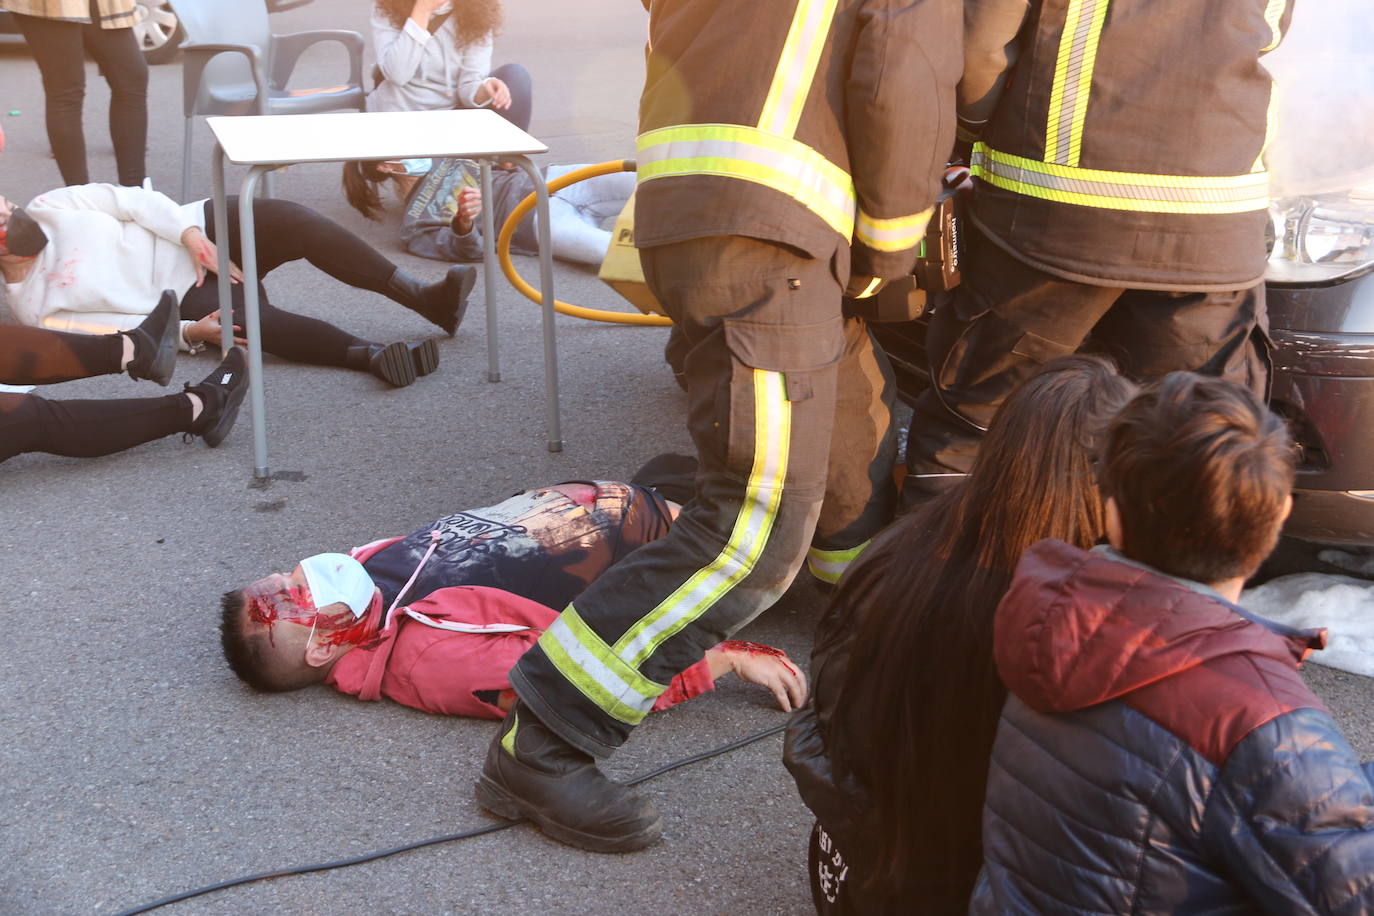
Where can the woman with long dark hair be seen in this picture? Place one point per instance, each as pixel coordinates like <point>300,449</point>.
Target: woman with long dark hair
<point>892,755</point>
<point>435,54</point>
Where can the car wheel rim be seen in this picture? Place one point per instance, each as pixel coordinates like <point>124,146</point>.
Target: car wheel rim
<point>155,26</point>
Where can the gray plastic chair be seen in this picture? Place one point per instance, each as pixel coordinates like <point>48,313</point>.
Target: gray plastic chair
<point>234,65</point>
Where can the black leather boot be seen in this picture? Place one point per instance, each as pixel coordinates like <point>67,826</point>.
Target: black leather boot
<point>155,342</point>
<point>425,355</point>
<point>442,303</point>
<point>221,392</point>
<point>532,773</point>
<point>392,363</point>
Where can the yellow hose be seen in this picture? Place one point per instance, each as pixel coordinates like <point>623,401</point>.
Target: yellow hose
<point>567,308</point>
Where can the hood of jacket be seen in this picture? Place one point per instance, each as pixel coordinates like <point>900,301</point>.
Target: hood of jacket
<point>1078,628</point>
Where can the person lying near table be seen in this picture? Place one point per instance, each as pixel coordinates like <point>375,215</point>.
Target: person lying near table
<point>443,199</point>
<point>436,620</point>
<point>94,258</point>
<point>87,428</point>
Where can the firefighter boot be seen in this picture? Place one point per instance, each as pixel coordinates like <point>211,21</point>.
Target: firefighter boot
<point>534,774</point>
<point>442,303</point>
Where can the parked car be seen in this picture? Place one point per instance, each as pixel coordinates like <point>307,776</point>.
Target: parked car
<point>157,29</point>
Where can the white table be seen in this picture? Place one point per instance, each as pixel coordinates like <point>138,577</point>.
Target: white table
<point>269,142</point>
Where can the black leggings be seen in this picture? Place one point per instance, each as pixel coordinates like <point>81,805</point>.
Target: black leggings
<point>87,428</point>
<point>81,429</point>
<point>521,86</point>
<point>38,356</point>
<point>59,50</point>
<point>286,231</point>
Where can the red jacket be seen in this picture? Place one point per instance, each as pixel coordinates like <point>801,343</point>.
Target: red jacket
<point>458,671</point>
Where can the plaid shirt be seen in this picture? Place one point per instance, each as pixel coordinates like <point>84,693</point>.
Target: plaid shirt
<point>114,14</point>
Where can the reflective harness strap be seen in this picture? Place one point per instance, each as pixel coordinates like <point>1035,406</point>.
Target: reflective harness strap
<point>1138,192</point>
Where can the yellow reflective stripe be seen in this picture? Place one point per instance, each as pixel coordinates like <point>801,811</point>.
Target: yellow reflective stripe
<point>1273,17</point>
<point>1073,76</point>
<point>750,154</point>
<point>830,565</point>
<point>586,662</point>
<point>1121,190</point>
<point>871,288</point>
<point>897,234</point>
<point>753,525</point>
<point>508,739</point>
<point>796,70</point>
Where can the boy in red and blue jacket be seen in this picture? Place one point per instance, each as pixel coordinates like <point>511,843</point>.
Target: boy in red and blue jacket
<point>1159,752</point>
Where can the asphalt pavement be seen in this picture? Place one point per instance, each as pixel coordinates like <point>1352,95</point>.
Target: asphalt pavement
<point>136,766</point>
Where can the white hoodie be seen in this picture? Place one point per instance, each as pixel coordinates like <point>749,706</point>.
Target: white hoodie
<point>111,252</point>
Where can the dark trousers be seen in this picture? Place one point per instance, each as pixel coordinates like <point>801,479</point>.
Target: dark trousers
<point>38,356</point>
<point>1008,318</point>
<point>286,231</point>
<point>521,86</point>
<point>789,408</point>
<point>59,48</point>
<point>78,428</point>
<point>87,428</point>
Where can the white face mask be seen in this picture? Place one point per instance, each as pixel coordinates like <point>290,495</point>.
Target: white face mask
<point>338,578</point>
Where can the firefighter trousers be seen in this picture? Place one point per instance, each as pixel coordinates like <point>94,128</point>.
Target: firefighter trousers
<point>1007,319</point>
<point>789,406</point>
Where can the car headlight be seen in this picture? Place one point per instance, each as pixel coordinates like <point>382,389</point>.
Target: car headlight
<point>1321,238</point>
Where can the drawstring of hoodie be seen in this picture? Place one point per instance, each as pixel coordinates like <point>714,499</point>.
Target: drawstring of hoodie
<point>434,538</point>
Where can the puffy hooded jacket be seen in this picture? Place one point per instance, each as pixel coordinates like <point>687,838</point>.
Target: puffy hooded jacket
<point>1159,753</point>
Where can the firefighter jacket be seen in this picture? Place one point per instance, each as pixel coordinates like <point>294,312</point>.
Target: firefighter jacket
<point>1120,142</point>
<point>798,121</point>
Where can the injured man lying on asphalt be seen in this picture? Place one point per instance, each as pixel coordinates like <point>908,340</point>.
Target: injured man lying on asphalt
<point>436,620</point>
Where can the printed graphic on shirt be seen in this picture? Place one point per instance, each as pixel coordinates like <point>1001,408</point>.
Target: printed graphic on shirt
<point>546,545</point>
<point>436,199</point>
<point>831,870</point>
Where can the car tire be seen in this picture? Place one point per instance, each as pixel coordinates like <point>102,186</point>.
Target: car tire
<point>158,31</point>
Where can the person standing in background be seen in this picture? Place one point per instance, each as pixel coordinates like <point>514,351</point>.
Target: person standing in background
<point>59,32</point>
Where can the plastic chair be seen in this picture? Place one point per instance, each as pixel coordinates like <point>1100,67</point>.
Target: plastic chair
<point>234,65</point>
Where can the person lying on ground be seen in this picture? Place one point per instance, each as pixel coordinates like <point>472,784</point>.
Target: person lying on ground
<point>892,753</point>
<point>94,258</point>
<point>88,428</point>
<point>435,620</point>
<point>1159,751</point>
<point>443,200</point>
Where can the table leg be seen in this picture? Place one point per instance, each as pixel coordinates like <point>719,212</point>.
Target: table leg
<point>489,273</point>
<point>251,320</point>
<point>551,404</point>
<point>226,335</point>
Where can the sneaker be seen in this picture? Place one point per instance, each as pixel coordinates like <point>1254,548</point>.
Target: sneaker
<point>155,342</point>
<point>221,392</point>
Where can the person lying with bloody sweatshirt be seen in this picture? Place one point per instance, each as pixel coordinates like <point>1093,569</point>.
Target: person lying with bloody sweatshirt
<point>436,620</point>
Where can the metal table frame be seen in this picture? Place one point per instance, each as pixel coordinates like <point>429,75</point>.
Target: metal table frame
<point>441,148</point>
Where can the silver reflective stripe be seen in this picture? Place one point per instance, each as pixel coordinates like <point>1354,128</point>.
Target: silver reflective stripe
<point>594,668</point>
<point>796,68</point>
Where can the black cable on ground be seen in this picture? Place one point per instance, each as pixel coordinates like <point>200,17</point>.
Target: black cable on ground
<point>466,834</point>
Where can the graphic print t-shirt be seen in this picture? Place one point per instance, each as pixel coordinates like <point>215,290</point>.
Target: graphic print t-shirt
<point>546,545</point>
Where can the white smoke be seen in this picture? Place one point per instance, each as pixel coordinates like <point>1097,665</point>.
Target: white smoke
<point>1324,72</point>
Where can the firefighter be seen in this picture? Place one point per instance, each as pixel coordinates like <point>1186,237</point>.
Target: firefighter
<point>788,148</point>
<point>1119,196</point>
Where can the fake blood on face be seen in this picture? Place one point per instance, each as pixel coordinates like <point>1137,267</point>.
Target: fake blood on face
<point>277,600</point>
